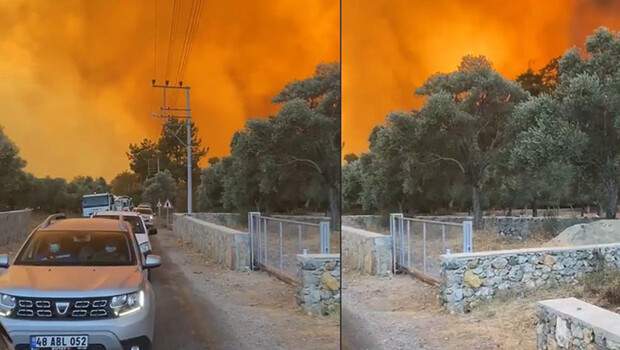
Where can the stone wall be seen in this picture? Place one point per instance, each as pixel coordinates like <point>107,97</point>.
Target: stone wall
<point>574,324</point>
<point>467,279</point>
<point>319,292</point>
<point>519,227</point>
<point>367,252</point>
<point>304,218</point>
<point>231,220</point>
<point>14,226</point>
<point>374,223</point>
<point>223,245</point>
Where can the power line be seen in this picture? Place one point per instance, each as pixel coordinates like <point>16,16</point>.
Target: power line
<point>171,36</point>
<point>155,39</point>
<point>192,12</point>
<point>191,39</point>
<point>192,27</point>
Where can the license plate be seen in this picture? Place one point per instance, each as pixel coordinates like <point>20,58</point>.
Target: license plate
<point>59,342</point>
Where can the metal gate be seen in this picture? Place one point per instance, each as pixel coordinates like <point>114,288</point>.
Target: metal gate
<point>275,243</point>
<point>417,244</point>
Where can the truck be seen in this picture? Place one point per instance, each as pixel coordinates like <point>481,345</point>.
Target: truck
<point>92,203</point>
<point>123,203</point>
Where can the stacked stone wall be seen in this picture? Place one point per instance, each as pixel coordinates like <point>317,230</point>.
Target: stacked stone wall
<point>468,279</point>
<point>319,292</point>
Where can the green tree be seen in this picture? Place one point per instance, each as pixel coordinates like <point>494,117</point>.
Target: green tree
<point>538,156</point>
<point>589,97</point>
<point>211,189</point>
<point>127,183</point>
<point>544,81</point>
<point>307,130</point>
<point>143,158</point>
<point>464,121</point>
<point>11,172</point>
<point>159,188</point>
<point>171,147</point>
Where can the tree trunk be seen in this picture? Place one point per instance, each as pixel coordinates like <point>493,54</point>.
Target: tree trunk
<point>477,211</point>
<point>611,189</point>
<point>334,207</point>
<point>534,208</point>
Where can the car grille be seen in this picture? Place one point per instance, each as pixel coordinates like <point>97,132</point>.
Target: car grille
<point>62,308</point>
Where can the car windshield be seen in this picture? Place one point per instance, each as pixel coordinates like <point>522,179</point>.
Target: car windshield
<point>95,201</point>
<point>134,221</point>
<point>144,211</point>
<point>75,248</point>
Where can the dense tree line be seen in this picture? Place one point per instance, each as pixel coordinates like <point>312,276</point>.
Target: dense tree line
<point>548,139</point>
<point>286,162</point>
<point>20,189</point>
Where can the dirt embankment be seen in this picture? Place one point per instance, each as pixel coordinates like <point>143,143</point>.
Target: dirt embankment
<point>598,232</point>
<point>403,313</point>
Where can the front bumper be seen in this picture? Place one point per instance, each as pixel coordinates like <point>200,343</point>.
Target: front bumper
<point>110,334</point>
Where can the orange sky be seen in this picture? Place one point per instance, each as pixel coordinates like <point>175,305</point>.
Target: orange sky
<point>391,46</point>
<point>75,75</point>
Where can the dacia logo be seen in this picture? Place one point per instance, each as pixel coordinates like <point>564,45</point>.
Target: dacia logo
<point>62,307</point>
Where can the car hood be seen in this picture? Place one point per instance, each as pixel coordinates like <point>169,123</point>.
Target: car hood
<point>70,281</point>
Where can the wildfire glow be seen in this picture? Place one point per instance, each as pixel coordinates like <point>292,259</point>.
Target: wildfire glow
<point>391,46</point>
<point>75,75</point>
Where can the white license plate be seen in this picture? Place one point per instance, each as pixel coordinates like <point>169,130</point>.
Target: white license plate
<point>59,342</point>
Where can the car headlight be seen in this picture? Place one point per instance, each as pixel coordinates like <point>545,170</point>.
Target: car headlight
<point>145,247</point>
<point>126,304</point>
<point>7,304</point>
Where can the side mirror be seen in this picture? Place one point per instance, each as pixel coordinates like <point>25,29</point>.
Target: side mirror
<point>152,261</point>
<point>4,261</point>
<point>152,231</point>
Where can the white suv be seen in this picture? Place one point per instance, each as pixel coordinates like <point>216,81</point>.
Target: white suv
<point>139,228</point>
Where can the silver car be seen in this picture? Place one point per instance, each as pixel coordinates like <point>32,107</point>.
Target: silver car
<point>78,284</point>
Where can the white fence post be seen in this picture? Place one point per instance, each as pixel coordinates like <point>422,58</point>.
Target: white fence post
<point>252,228</point>
<point>325,236</point>
<point>394,230</point>
<point>468,232</point>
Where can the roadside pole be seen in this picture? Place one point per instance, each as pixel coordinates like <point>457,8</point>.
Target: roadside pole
<point>180,113</point>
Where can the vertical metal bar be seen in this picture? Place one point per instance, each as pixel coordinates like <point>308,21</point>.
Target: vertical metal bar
<point>468,245</point>
<point>409,244</point>
<point>443,237</point>
<point>188,126</point>
<point>281,256</point>
<point>299,236</point>
<point>265,241</point>
<point>250,228</point>
<point>324,231</point>
<point>424,245</point>
<point>402,240</point>
<point>393,234</point>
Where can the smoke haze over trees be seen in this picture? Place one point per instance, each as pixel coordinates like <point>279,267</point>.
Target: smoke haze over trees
<point>481,141</point>
<point>287,162</point>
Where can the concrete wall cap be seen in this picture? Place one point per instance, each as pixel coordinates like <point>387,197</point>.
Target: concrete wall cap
<point>365,233</point>
<point>448,257</point>
<point>306,257</point>
<point>215,226</point>
<point>597,318</point>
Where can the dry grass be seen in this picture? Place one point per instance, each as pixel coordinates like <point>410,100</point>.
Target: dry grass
<point>485,240</point>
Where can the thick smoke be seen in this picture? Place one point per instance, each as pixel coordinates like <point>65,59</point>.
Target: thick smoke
<point>391,46</point>
<point>75,75</point>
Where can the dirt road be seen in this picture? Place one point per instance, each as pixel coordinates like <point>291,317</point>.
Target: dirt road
<point>201,306</point>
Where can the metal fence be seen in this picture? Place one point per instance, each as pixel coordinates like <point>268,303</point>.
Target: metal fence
<point>418,244</point>
<point>276,242</point>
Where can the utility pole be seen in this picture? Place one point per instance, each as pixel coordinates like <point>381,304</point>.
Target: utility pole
<point>179,113</point>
